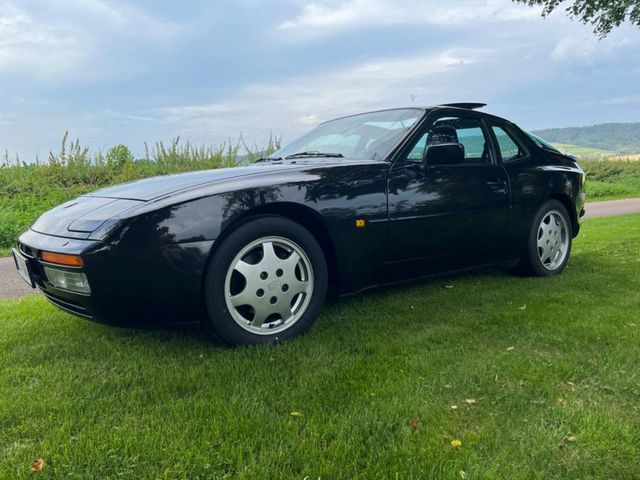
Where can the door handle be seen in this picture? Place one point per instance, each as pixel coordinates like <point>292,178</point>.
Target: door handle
<point>496,181</point>
<point>497,184</point>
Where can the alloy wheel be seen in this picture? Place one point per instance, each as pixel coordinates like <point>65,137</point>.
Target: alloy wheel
<point>552,240</point>
<point>268,285</point>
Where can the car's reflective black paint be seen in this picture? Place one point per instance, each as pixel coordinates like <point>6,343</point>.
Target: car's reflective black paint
<point>146,244</point>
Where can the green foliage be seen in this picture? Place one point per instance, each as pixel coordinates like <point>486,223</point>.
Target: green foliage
<point>73,156</point>
<point>621,138</point>
<point>552,365</point>
<point>604,15</point>
<point>611,179</point>
<point>118,157</point>
<point>29,189</point>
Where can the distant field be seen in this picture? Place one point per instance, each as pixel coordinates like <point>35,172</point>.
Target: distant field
<point>584,151</point>
<point>619,138</point>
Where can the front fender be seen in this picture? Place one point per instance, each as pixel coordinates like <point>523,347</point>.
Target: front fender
<point>336,196</point>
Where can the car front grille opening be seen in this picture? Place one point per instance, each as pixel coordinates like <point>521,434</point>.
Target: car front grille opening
<point>27,251</point>
<point>68,306</point>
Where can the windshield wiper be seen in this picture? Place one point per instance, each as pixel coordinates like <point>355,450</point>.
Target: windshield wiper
<point>314,153</point>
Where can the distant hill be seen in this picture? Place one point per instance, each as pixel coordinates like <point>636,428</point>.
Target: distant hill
<point>618,138</point>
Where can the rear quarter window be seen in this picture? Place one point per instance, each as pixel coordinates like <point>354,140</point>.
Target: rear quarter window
<point>510,148</point>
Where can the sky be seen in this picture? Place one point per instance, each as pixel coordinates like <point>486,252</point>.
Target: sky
<point>113,72</point>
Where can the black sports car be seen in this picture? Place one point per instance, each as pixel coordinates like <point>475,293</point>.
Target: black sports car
<point>250,253</point>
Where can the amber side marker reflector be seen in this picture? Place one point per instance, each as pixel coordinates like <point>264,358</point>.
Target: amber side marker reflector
<point>360,223</point>
<point>62,259</point>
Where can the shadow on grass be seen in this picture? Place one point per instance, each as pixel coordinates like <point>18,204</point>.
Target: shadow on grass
<point>337,317</point>
<point>371,316</point>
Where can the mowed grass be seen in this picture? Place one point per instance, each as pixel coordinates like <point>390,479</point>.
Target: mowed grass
<point>552,365</point>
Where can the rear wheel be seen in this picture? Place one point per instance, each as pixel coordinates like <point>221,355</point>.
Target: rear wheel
<point>266,282</point>
<point>549,242</point>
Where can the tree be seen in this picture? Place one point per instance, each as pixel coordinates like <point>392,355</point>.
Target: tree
<point>604,15</point>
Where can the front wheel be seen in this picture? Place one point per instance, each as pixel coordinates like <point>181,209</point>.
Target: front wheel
<point>266,282</point>
<point>549,242</point>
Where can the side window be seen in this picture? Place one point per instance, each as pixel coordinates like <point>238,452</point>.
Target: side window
<point>509,148</point>
<point>466,131</point>
<point>476,148</point>
<point>417,152</point>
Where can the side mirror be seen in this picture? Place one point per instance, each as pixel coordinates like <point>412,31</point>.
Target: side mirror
<point>444,154</point>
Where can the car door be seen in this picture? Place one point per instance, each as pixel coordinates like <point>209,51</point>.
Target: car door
<point>455,213</point>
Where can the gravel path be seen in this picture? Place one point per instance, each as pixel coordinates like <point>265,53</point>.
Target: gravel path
<point>12,284</point>
<point>613,208</point>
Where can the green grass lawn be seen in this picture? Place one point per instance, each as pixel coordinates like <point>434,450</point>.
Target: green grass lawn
<point>552,365</point>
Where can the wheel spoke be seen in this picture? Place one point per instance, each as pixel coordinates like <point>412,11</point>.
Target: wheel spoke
<point>243,298</point>
<point>284,308</point>
<point>541,240</point>
<point>297,287</point>
<point>269,254</point>
<point>292,260</point>
<point>544,240</point>
<point>261,312</point>
<point>246,269</point>
<point>543,254</point>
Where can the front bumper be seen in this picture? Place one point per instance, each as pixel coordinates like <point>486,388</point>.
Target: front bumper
<point>133,287</point>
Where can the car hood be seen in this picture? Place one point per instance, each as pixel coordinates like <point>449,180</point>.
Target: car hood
<point>155,187</point>
<point>81,217</point>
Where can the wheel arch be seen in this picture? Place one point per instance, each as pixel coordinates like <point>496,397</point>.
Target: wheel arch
<point>565,200</point>
<point>302,215</point>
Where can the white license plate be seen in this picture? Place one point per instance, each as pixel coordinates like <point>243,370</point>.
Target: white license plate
<point>23,267</point>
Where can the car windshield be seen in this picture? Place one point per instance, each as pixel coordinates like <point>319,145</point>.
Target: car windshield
<point>541,143</point>
<point>368,136</point>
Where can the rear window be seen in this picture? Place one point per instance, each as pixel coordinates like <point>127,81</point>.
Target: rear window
<point>541,143</point>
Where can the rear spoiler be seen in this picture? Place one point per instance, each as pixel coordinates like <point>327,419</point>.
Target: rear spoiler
<point>467,106</point>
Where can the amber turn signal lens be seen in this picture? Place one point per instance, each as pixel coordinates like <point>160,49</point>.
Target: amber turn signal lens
<point>62,259</point>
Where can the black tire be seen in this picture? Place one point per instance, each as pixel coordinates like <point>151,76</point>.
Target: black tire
<point>219,322</point>
<point>530,263</point>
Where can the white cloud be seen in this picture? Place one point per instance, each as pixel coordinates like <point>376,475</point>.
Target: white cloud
<point>70,39</point>
<point>580,49</point>
<point>28,43</point>
<point>621,101</point>
<point>586,50</point>
<point>295,104</point>
<point>327,15</point>
<point>415,52</point>
<point>129,19</point>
